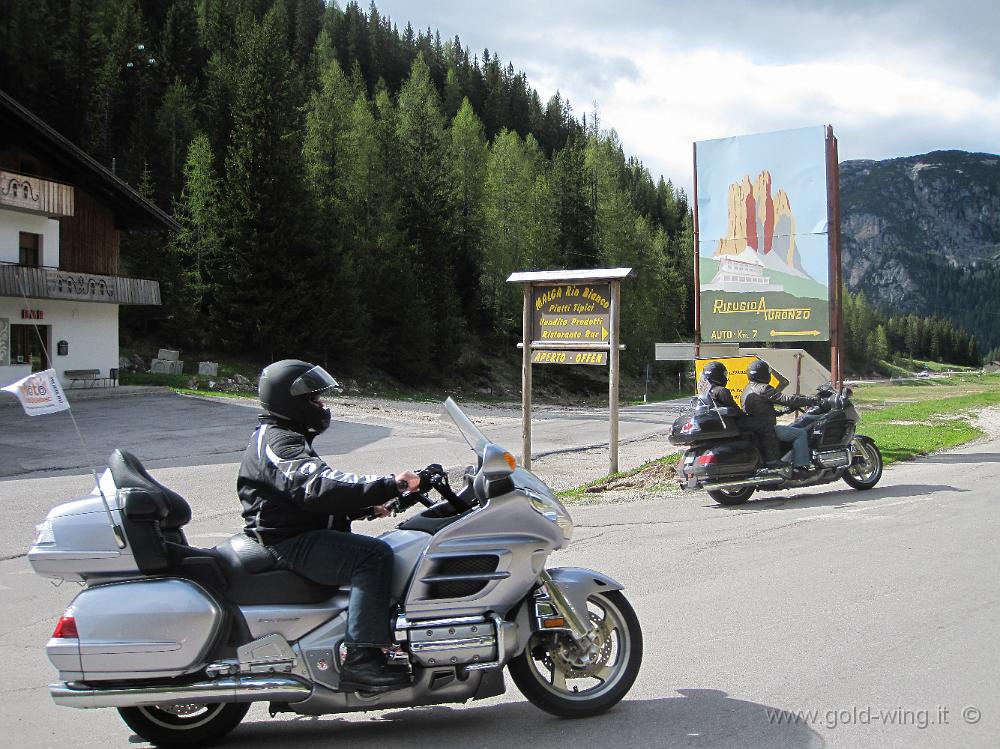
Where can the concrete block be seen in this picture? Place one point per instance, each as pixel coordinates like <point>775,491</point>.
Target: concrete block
<point>168,355</point>
<point>209,368</point>
<point>166,366</point>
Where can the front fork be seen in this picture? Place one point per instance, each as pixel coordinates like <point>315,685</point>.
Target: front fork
<point>555,611</point>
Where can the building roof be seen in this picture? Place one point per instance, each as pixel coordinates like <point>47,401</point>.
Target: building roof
<point>132,210</point>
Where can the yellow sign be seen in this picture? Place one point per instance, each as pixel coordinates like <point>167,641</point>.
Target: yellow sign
<point>571,313</point>
<point>736,366</point>
<point>570,357</point>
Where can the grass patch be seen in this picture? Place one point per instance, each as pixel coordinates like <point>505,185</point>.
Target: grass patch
<point>214,393</point>
<point>154,378</point>
<point>652,475</point>
<point>906,430</point>
<point>934,366</point>
<point>903,442</point>
<point>881,394</point>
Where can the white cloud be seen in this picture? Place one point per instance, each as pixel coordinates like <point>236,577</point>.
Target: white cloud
<point>894,78</point>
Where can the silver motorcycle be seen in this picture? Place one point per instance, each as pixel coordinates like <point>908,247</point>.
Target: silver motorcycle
<point>181,640</point>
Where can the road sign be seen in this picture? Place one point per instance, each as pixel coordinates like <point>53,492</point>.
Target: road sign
<point>571,313</point>
<point>571,317</point>
<point>736,367</point>
<point>599,358</point>
<point>686,351</point>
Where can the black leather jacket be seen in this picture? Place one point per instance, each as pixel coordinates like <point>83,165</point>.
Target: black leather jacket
<point>719,394</point>
<point>758,401</point>
<point>287,489</point>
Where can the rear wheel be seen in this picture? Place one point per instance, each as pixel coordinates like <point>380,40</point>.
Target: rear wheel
<point>184,725</point>
<point>731,496</point>
<point>572,681</point>
<point>866,464</point>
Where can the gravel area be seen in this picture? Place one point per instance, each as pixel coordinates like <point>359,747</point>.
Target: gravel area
<point>989,421</point>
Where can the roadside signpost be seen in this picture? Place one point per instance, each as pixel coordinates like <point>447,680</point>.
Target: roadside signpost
<point>767,252</point>
<point>571,317</point>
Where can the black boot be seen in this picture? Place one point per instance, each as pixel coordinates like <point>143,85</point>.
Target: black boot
<point>364,670</point>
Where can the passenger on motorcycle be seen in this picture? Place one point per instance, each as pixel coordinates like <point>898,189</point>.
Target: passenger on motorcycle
<point>759,398</point>
<point>301,509</point>
<point>712,385</point>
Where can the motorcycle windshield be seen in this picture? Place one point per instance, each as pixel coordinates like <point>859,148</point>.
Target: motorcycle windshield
<point>470,432</point>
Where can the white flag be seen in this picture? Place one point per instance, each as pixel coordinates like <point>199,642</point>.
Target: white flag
<point>39,393</point>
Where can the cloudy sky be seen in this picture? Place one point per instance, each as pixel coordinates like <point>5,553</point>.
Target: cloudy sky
<point>893,77</point>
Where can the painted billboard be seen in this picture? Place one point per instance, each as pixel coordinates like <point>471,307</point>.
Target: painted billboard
<point>763,251</point>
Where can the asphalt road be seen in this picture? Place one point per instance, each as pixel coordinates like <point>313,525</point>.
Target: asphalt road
<point>877,610</point>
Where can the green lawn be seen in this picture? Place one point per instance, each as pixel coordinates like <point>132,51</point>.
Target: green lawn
<point>935,418</point>
<point>879,395</point>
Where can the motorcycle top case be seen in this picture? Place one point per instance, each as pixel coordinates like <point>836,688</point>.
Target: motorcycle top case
<point>140,629</point>
<point>704,424</point>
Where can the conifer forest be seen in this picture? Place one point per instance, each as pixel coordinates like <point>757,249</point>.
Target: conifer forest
<point>350,190</point>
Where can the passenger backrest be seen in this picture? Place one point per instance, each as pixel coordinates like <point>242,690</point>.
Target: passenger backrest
<point>152,513</point>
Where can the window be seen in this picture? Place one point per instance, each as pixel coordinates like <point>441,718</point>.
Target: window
<point>26,348</point>
<point>30,249</point>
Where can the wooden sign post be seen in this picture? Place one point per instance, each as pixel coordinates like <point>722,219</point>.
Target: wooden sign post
<point>571,317</point>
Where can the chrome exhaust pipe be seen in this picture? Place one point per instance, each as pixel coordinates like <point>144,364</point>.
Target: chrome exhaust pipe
<point>740,483</point>
<point>269,688</point>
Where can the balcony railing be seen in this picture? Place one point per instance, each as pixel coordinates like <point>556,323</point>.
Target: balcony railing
<point>52,283</point>
<point>35,194</point>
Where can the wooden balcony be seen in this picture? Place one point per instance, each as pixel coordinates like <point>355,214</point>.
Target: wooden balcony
<point>52,283</point>
<point>35,195</point>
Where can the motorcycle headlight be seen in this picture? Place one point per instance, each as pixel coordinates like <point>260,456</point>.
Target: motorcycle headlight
<point>551,508</point>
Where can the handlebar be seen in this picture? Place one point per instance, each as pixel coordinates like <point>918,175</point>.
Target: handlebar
<point>432,477</point>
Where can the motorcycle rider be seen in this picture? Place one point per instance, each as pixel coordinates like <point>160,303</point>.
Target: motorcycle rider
<point>712,385</point>
<point>759,398</point>
<point>300,509</point>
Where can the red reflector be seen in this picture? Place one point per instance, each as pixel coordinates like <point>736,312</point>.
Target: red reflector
<point>704,460</point>
<point>66,628</point>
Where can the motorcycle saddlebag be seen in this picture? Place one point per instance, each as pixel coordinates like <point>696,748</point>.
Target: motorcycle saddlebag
<point>140,629</point>
<point>704,424</point>
<point>722,461</point>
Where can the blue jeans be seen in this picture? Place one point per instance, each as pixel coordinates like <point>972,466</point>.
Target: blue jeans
<point>800,442</point>
<point>331,557</point>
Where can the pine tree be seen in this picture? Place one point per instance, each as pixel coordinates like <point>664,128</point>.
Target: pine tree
<point>263,279</point>
<point>507,207</point>
<point>425,216</point>
<point>574,197</point>
<point>466,156</point>
<point>175,125</point>
<point>197,246</point>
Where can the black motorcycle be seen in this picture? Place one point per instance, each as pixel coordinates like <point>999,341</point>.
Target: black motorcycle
<point>726,460</point>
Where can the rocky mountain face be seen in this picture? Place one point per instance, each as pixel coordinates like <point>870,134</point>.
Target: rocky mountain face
<point>921,234</point>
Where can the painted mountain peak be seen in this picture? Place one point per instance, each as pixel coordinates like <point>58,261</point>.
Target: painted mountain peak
<point>760,228</point>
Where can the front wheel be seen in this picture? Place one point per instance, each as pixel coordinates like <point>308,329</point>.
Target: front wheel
<point>566,679</point>
<point>184,725</point>
<point>866,464</point>
<point>731,496</point>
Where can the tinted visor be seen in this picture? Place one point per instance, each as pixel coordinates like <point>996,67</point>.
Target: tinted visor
<point>313,382</point>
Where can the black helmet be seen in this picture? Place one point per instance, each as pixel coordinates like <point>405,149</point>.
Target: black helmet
<point>759,371</point>
<point>715,372</point>
<point>290,390</point>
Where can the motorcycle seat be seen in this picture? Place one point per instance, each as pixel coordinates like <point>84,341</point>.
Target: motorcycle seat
<point>245,573</point>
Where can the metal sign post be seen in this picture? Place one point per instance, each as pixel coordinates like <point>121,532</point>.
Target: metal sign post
<point>571,317</point>
<point>833,240</point>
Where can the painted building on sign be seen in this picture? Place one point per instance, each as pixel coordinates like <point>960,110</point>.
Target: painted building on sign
<point>61,285</point>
